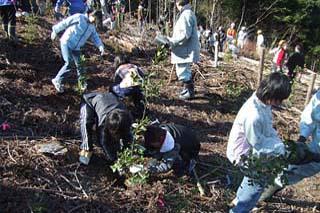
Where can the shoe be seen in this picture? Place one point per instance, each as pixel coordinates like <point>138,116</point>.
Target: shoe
<point>84,157</point>
<point>57,85</point>
<point>188,91</point>
<point>269,191</point>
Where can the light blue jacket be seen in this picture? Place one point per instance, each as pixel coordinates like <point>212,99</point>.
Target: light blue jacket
<point>78,30</point>
<point>6,2</point>
<point>75,6</point>
<point>310,122</point>
<point>185,41</point>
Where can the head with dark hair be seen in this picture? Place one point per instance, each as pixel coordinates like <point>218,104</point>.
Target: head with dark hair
<point>154,137</point>
<point>181,3</point>
<point>275,87</point>
<point>120,59</point>
<point>118,123</point>
<point>298,48</point>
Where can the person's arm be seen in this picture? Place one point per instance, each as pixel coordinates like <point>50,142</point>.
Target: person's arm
<point>185,31</point>
<point>97,41</point>
<point>71,20</point>
<point>105,142</point>
<point>308,116</point>
<point>167,161</point>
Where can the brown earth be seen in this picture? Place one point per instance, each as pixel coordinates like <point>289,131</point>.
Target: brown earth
<point>33,182</point>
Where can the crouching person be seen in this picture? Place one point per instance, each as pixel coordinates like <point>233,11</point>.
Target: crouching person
<point>252,132</point>
<point>172,146</point>
<point>127,81</point>
<point>112,122</point>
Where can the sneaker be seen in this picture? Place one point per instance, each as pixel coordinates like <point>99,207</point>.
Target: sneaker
<point>84,157</point>
<point>187,95</point>
<point>57,85</point>
<point>269,191</point>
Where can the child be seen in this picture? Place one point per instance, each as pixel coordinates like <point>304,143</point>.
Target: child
<point>279,56</point>
<point>173,146</point>
<point>112,121</point>
<point>8,16</point>
<point>294,60</point>
<point>74,6</point>
<point>78,29</point>
<point>127,80</point>
<point>252,132</point>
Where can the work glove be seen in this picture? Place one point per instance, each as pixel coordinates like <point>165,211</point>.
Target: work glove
<point>101,49</point>
<point>84,157</point>
<point>136,168</point>
<point>53,36</point>
<point>162,40</point>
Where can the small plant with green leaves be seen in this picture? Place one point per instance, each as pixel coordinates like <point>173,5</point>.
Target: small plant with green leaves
<point>133,156</point>
<point>234,90</point>
<point>82,79</point>
<point>161,54</point>
<point>31,31</point>
<point>228,56</point>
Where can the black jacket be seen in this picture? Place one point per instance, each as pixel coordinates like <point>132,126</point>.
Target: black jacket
<point>102,104</point>
<point>296,59</point>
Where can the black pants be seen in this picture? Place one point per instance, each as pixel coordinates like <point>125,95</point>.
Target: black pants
<point>8,16</point>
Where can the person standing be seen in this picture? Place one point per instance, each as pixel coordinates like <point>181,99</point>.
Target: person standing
<point>77,29</point>
<point>294,60</point>
<point>260,42</point>
<point>185,47</point>
<point>8,16</point>
<point>241,37</point>
<point>280,54</point>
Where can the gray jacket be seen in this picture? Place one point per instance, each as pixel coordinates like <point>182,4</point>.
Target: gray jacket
<point>185,41</point>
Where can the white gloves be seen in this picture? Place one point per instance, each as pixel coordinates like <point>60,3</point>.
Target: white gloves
<point>53,35</point>
<point>136,168</point>
<point>101,49</point>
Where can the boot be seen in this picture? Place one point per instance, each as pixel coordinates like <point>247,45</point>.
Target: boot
<point>269,191</point>
<point>12,33</point>
<point>188,91</point>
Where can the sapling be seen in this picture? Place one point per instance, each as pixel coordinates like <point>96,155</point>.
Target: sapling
<point>161,54</point>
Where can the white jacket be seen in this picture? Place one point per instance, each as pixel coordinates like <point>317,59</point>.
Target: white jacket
<point>252,131</point>
<point>310,122</point>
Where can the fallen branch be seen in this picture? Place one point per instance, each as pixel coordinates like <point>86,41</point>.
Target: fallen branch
<point>75,174</point>
<point>10,154</point>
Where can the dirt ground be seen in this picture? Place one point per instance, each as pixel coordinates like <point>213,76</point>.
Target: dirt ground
<point>33,182</point>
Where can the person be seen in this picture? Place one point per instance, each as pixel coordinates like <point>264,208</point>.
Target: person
<point>279,56</point>
<point>127,81</point>
<point>112,121</point>
<point>185,48</point>
<point>8,16</point>
<point>309,128</point>
<point>252,132</point>
<point>294,60</point>
<point>141,15</point>
<point>74,6</point>
<point>221,38</point>
<point>260,42</point>
<point>172,146</point>
<point>241,37</point>
<point>77,29</point>
<point>231,32</point>
<point>233,49</point>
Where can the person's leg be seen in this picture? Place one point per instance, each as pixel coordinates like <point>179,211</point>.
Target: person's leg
<point>66,55</point>
<point>296,173</point>
<point>184,74</point>
<point>5,18</point>
<point>12,22</point>
<point>247,196</point>
<point>86,124</point>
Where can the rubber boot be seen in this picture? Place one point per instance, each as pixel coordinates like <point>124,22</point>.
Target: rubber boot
<point>269,191</point>
<point>188,91</point>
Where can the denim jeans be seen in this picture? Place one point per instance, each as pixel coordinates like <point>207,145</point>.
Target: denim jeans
<point>296,173</point>
<point>184,72</point>
<point>247,197</point>
<point>68,55</point>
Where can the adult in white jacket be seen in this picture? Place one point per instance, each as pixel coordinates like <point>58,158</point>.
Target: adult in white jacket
<point>185,46</point>
<point>78,29</point>
<point>252,132</point>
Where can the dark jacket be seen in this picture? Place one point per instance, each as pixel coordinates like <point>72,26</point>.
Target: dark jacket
<point>102,104</point>
<point>296,59</point>
<point>186,147</point>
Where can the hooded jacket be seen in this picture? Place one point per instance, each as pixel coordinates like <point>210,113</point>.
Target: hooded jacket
<point>75,6</point>
<point>78,30</point>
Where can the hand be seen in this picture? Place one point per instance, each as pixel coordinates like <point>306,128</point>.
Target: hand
<point>302,139</point>
<point>57,10</point>
<point>53,35</point>
<point>136,168</point>
<point>101,49</point>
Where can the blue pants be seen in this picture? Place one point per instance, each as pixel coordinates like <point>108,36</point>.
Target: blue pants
<point>248,195</point>
<point>184,72</point>
<point>68,55</point>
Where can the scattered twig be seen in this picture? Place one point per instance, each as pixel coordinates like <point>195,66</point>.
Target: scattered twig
<point>10,154</point>
<point>83,191</point>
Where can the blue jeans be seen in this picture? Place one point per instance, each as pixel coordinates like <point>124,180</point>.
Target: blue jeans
<point>68,55</point>
<point>184,72</point>
<point>248,195</point>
